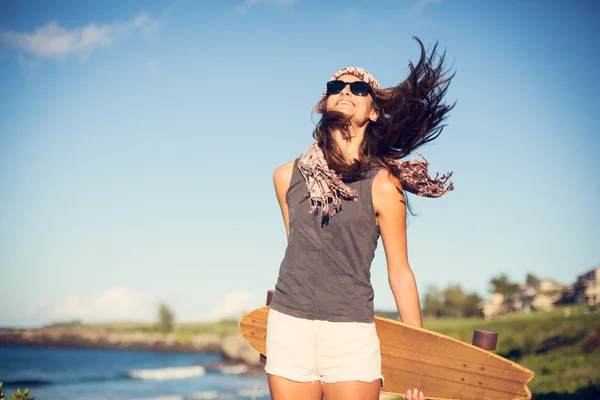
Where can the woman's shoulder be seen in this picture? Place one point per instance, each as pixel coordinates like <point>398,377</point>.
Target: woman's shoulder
<point>386,184</point>
<point>283,173</point>
<point>387,193</point>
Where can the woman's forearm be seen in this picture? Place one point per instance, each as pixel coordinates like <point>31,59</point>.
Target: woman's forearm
<point>404,288</point>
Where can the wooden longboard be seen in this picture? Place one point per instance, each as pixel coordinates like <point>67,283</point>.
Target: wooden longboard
<point>440,366</point>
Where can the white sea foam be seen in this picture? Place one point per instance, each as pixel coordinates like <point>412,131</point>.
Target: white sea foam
<point>207,395</point>
<point>90,398</point>
<point>210,395</point>
<point>163,398</point>
<point>174,397</point>
<point>234,369</point>
<point>164,374</point>
<point>249,393</point>
<point>252,393</point>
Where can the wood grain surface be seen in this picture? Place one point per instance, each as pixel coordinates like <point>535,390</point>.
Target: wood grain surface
<point>440,366</point>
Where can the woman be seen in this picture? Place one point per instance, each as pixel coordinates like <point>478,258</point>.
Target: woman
<point>343,193</point>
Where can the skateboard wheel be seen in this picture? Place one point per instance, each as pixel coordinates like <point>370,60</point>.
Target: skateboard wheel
<point>485,339</point>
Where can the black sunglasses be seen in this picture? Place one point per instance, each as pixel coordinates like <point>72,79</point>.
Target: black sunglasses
<point>358,88</point>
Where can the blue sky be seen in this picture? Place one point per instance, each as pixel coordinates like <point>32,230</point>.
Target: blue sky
<point>138,141</point>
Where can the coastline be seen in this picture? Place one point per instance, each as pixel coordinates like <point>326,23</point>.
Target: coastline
<point>238,357</point>
<point>233,349</point>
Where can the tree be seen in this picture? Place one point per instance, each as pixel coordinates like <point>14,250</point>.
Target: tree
<point>454,301</point>
<point>166,319</point>
<point>451,302</point>
<point>502,285</point>
<point>471,306</point>
<point>433,303</point>
<point>532,280</point>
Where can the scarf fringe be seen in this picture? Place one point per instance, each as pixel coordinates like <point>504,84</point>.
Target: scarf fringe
<point>326,189</point>
<point>415,178</point>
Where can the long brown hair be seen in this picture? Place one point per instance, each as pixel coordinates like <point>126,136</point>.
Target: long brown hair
<point>408,116</point>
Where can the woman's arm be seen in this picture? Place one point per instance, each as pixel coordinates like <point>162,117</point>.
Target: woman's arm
<point>390,208</point>
<point>281,178</point>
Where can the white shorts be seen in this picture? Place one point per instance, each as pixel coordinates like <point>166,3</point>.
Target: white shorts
<point>304,350</point>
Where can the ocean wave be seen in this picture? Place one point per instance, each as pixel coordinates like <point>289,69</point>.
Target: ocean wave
<point>253,393</point>
<point>234,369</point>
<point>27,382</point>
<point>32,383</point>
<point>157,374</point>
<point>164,374</point>
<point>211,395</point>
<point>214,395</point>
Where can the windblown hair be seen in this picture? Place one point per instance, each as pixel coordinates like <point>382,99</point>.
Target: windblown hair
<point>408,116</point>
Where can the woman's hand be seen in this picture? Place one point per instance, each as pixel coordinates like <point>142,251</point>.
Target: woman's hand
<point>414,395</point>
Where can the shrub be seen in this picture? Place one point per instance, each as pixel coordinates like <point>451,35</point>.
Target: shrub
<point>18,395</point>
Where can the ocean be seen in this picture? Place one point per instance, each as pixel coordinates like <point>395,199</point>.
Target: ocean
<point>92,374</point>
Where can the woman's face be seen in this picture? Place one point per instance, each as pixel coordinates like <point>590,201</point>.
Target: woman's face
<point>360,107</point>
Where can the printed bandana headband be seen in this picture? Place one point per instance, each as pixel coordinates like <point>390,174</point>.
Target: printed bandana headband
<point>363,74</point>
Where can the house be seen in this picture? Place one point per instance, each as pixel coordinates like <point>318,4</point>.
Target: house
<point>549,286</point>
<point>545,294</point>
<point>548,293</point>
<point>494,306</point>
<point>587,288</point>
<point>542,295</point>
<point>528,295</point>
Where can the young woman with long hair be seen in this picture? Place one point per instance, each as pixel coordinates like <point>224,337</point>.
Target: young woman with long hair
<point>337,199</point>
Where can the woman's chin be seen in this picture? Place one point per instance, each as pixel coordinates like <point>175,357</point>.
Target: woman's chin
<point>344,110</point>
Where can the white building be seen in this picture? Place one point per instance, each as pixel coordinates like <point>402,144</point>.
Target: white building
<point>494,306</point>
<point>587,288</point>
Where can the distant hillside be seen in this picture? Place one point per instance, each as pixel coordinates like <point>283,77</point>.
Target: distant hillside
<point>387,314</point>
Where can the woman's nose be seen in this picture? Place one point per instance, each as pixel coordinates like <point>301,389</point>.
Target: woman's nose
<point>346,90</point>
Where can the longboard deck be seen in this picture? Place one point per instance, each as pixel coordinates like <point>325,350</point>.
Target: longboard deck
<point>441,366</point>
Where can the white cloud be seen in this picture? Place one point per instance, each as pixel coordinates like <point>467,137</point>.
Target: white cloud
<point>251,3</point>
<point>121,304</point>
<point>53,41</point>
<point>115,304</point>
<point>235,304</point>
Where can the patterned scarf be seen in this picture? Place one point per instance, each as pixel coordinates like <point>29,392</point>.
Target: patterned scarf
<point>326,190</point>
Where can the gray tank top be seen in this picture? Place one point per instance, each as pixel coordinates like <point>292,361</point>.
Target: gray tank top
<point>325,273</point>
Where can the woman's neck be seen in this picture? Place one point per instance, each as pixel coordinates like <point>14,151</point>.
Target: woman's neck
<point>350,147</point>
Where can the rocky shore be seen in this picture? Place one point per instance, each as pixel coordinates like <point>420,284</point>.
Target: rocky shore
<point>234,350</point>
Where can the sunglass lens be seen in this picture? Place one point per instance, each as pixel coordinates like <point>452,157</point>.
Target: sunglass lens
<point>335,87</point>
<point>359,88</point>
